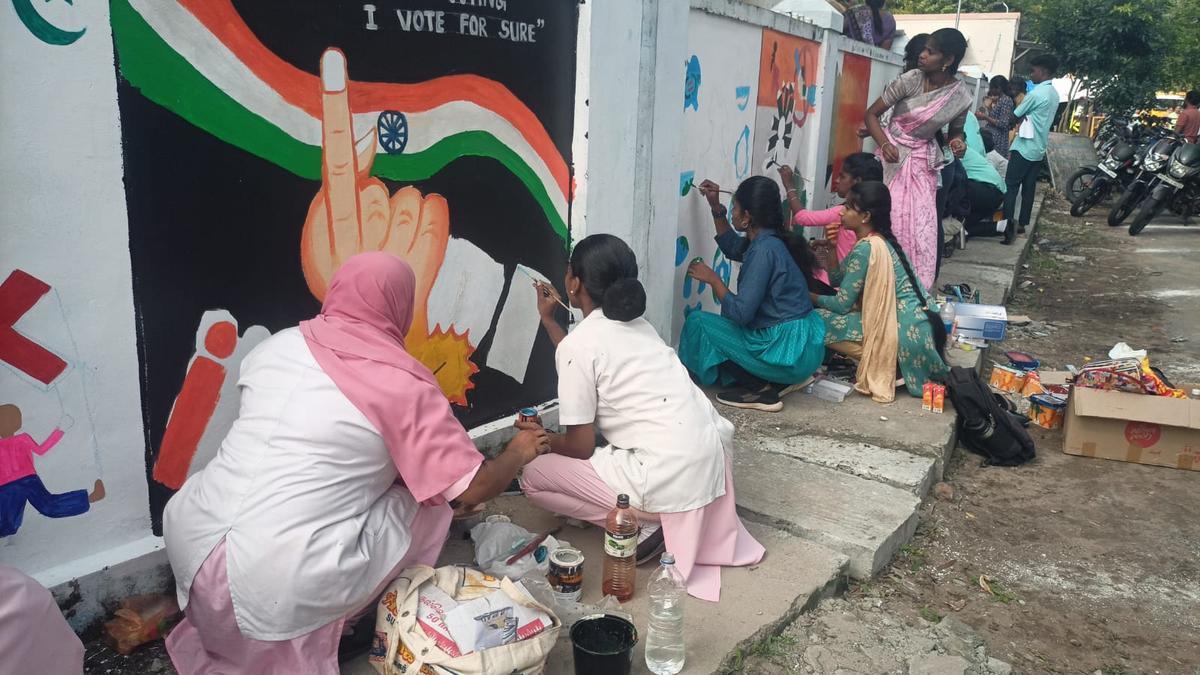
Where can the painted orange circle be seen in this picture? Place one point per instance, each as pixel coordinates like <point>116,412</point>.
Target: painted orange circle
<point>221,339</point>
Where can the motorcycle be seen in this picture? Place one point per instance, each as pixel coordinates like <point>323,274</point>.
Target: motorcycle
<point>1154,157</point>
<point>1176,187</point>
<point>1114,173</point>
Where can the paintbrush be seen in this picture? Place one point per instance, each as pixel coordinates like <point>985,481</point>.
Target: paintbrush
<point>701,190</point>
<point>532,546</point>
<point>545,291</point>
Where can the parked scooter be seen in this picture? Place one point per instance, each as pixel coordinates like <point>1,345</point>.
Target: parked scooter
<point>1176,187</point>
<point>1114,173</point>
<point>1155,157</point>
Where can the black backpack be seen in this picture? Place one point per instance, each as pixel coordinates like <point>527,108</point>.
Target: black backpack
<point>985,425</point>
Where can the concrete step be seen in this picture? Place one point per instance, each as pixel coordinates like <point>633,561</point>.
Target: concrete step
<point>900,425</point>
<point>864,519</point>
<point>904,470</point>
<point>756,602</point>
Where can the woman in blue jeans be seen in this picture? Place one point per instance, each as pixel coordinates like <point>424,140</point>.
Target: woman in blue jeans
<point>767,339</point>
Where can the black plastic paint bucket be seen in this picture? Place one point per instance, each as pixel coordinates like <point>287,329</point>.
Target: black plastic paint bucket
<point>603,645</point>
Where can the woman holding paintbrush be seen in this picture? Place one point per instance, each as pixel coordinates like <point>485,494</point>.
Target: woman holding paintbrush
<point>766,340</point>
<point>617,377</point>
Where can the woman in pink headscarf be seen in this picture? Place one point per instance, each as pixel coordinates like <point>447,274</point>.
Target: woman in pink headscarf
<point>336,476</point>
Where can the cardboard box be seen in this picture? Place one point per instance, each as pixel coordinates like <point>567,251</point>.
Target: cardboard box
<point>988,322</point>
<point>1133,428</point>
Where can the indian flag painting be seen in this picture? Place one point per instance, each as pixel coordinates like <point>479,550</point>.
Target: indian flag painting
<point>266,141</point>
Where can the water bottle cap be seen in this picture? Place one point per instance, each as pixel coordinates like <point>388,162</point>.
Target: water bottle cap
<point>623,501</point>
<point>668,558</point>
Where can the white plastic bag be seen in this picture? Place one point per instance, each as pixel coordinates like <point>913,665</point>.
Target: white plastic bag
<point>496,542</point>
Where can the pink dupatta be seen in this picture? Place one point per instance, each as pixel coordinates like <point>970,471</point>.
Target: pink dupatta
<point>913,182</point>
<point>358,340</point>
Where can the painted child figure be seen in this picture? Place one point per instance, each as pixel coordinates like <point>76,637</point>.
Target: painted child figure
<point>19,482</point>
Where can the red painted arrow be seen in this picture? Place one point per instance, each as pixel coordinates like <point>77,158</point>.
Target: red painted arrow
<point>18,294</point>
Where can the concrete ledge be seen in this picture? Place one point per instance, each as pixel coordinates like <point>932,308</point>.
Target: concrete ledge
<point>897,468</point>
<point>862,519</point>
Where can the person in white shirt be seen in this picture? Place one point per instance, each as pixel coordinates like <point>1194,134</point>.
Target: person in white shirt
<point>335,477</point>
<point>666,446</point>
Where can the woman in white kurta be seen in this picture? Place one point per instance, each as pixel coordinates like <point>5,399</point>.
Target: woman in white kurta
<point>335,477</point>
<point>667,447</point>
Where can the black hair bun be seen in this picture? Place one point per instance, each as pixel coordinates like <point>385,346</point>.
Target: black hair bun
<point>625,300</point>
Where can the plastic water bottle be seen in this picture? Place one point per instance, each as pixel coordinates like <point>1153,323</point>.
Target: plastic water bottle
<point>948,314</point>
<point>664,639</point>
<point>620,549</point>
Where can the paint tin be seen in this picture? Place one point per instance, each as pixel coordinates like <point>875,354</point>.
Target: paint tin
<point>566,572</point>
<point>529,415</point>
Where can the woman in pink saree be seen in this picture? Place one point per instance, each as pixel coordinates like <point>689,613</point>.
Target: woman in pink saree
<point>922,102</point>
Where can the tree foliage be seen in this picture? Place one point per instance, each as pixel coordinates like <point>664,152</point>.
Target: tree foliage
<point>1182,66</point>
<point>949,6</point>
<point>1115,47</point>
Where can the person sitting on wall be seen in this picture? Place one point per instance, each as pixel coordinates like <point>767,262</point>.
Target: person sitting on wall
<point>766,340</point>
<point>617,377</point>
<point>856,168</point>
<point>337,475</point>
<point>880,314</point>
<point>868,22</point>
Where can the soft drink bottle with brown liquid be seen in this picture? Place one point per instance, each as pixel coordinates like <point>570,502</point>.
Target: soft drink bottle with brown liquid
<point>620,549</point>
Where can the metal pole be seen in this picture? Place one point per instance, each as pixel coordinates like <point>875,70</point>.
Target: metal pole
<point>957,12</point>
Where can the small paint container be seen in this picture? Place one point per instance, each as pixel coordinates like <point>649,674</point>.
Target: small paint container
<point>565,575</point>
<point>529,415</point>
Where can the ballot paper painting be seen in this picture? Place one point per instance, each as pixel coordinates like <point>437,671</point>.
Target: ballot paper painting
<point>267,142</point>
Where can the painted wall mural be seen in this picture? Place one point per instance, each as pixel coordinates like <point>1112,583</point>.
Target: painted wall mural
<point>851,98</point>
<point>39,373</point>
<point>303,133</point>
<point>720,77</point>
<point>788,84</point>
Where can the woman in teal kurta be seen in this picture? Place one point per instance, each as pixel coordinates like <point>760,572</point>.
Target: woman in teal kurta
<point>918,352</point>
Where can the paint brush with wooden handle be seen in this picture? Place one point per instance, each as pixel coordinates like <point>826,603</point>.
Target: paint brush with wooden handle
<point>532,546</point>
<point>542,285</point>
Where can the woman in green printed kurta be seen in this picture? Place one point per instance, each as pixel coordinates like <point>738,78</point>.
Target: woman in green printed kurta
<point>919,337</point>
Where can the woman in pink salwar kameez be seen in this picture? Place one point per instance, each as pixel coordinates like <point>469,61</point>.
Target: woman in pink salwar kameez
<point>922,102</point>
<point>666,447</point>
<point>336,475</point>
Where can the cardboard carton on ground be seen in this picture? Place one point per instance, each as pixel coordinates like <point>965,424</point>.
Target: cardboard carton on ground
<point>988,322</point>
<point>1133,428</point>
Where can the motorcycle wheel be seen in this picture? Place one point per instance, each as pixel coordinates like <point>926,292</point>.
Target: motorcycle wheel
<point>1078,182</point>
<point>1121,211</point>
<point>1090,198</point>
<point>1146,211</point>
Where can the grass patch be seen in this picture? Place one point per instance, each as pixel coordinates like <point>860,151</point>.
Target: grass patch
<point>1116,669</point>
<point>769,648</point>
<point>998,592</point>
<point>929,615</point>
<point>915,555</point>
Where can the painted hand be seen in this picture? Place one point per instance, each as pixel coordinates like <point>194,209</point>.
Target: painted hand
<point>958,147</point>
<point>354,213</point>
